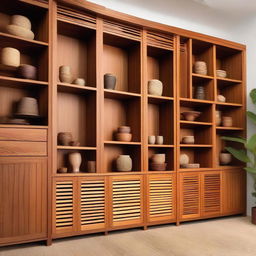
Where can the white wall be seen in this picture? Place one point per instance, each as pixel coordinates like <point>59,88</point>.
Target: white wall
<point>187,14</point>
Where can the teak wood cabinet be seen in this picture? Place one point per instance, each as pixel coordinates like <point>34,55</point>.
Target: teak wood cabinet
<point>37,202</point>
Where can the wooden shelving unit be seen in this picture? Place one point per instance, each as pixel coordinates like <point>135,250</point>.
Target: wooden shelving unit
<point>93,43</point>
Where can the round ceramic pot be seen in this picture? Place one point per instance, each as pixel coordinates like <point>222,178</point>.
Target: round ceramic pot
<point>188,139</point>
<point>127,137</point>
<point>28,106</point>
<point>109,81</point>
<point>221,98</point>
<point>27,71</point>
<point>155,87</point>
<point>79,81</point>
<point>65,78</point>
<point>75,160</point>
<point>124,129</point>
<point>225,158</point>
<point>158,158</point>
<point>91,166</point>
<point>124,163</point>
<point>159,140</point>
<point>191,115</point>
<point>158,167</point>
<point>151,139</point>
<point>64,138</point>
<point>20,31</point>
<point>21,21</point>
<point>200,67</point>
<point>200,93</point>
<point>227,121</point>
<point>10,57</point>
<point>65,69</point>
<point>218,118</point>
<point>184,159</point>
<point>221,73</point>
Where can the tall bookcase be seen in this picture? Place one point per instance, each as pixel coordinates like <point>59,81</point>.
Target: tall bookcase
<point>94,41</point>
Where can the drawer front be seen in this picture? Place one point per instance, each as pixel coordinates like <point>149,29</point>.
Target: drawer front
<point>23,148</point>
<point>23,134</point>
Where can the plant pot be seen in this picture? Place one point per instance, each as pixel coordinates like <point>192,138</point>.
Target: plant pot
<point>75,160</point>
<point>225,158</point>
<point>155,87</point>
<point>158,158</point>
<point>27,71</point>
<point>64,138</point>
<point>109,81</point>
<point>124,163</point>
<point>254,215</point>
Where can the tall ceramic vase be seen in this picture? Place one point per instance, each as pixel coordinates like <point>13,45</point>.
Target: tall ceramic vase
<point>75,161</point>
<point>124,163</point>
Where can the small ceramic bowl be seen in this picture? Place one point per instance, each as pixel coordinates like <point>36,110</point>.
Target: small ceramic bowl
<point>158,167</point>
<point>79,81</point>
<point>221,98</point>
<point>221,73</point>
<point>191,115</point>
<point>124,136</point>
<point>188,140</point>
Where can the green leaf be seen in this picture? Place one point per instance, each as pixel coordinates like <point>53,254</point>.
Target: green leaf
<point>253,95</point>
<point>239,154</point>
<point>251,144</point>
<point>252,116</point>
<point>250,170</point>
<point>234,139</point>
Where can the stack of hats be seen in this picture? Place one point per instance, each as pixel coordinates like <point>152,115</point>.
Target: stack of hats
<point>20,26</point>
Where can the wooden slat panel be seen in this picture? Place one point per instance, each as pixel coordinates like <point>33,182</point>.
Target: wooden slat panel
<point>92,203</point>
<point>122,30</point>
<point>76,17</point>
<point>159,40</point>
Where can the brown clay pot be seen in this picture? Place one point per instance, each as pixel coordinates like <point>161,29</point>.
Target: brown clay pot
<point>124,129</point>
<point>158,167</point>
<point>64,138</point>
<point>109,81</point>
<point>127,137</point>
<point>227,121</point>
<point>191,115</point>
<point>254,215</point>
<point>27,71</point>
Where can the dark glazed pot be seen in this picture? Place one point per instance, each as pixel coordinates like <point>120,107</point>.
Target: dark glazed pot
<point>109,81</point>
<point>27,71</point>
<point>254,215</point>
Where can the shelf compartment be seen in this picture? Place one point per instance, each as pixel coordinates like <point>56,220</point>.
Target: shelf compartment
<point>87,155</point>
<point>231,61</point>
<point>169,155</point>
<point>202,135</point>
<point>122,112</point>
<point>111,153</point>
<point>161,121</point>
<point>113,94</point>
<point>122,58</point>
<point>160,66</point>
<point>204,108</point>
<point>207,84</point>
<point>77,49</point>
<point>203,156</point>
<point>77,114</point>
<point>203,51</point>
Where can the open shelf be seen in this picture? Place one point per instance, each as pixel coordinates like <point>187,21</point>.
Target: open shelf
<point>77,114</point>
<point>122,143</point>
<point>113,94</point>
<point>72,88</point>
<point>160,146</point>
<point>160,66</point>
<point>20,82</point>
<point>118,113</point>
<point>192,124</point>
<point>77,49</point>
<point>122,58</point>
<point>111,153</point>
<point>158,99</point>
<point>161,121</point>
<point>75,148</point>
<point>206,83</point>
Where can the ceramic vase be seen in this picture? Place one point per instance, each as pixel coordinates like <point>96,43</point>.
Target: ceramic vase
<point>155,87</point>
<point>64,138</point>
<point>65,74</point>
<point>75,160</point>
<point>109,81</point>
<point>160,140</point>
<point>28,106</point>
<point>27,71</point>
<point>79,81</point>
<point>225,158</point>
<point>200,93</point>
<point>151,139</point>
<point>10,57</point>
<point>158,158</point>
<point>200,68</point>
<point>124,163</point>
<point>227,121</point>
<point>184,159</point>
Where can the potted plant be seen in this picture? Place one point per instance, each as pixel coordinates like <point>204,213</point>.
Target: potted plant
<point>248,153</point>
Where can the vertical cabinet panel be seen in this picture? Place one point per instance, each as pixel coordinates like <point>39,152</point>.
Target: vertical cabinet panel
<point>190,195</point>
<point>161,198</point>
<point>92,204</point>
<point>127,204</point>
<point>233,191</point>
<point>23,192</point>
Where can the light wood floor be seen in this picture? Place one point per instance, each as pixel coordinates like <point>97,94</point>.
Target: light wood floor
<point>220,237</point>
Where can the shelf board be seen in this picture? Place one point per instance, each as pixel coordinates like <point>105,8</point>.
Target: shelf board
<point>75,148</point>
<point>189,124</point>
<point>113,94</point>
<point>226,167</point>
<point>22,44</point>
<point>158,99</point>
<point>160,172</point>
<point>160,146</point>
<point>121,142</point>
<point>195,145</point>
<point>73,88</point>
<point>196,169</point>
<point>201,77</point>
<point>14,82</point>
<point>222,82</point>
<point>193,102</point>
<point>227,104</point>
<point>229,128</point>
<point>23,126</point>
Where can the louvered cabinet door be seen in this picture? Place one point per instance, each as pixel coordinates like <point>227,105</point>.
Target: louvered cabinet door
<point>211,193</point>
<point>64,206</point>
<point>189,195</point>
<point>233,191</point>
<point>23,199</point>
<point>92,203</point>
<point>127,201</point>
<point>161,198</point>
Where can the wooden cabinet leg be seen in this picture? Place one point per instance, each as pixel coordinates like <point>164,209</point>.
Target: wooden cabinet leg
<point>145,227</point>
<point>49,242</point>
<point>106,233</point>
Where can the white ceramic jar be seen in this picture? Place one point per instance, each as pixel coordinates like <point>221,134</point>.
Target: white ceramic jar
<point>124,163</point>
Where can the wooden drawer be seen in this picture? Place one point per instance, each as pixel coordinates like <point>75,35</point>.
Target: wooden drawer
<point>23,148</point>
<point>23,134</point>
